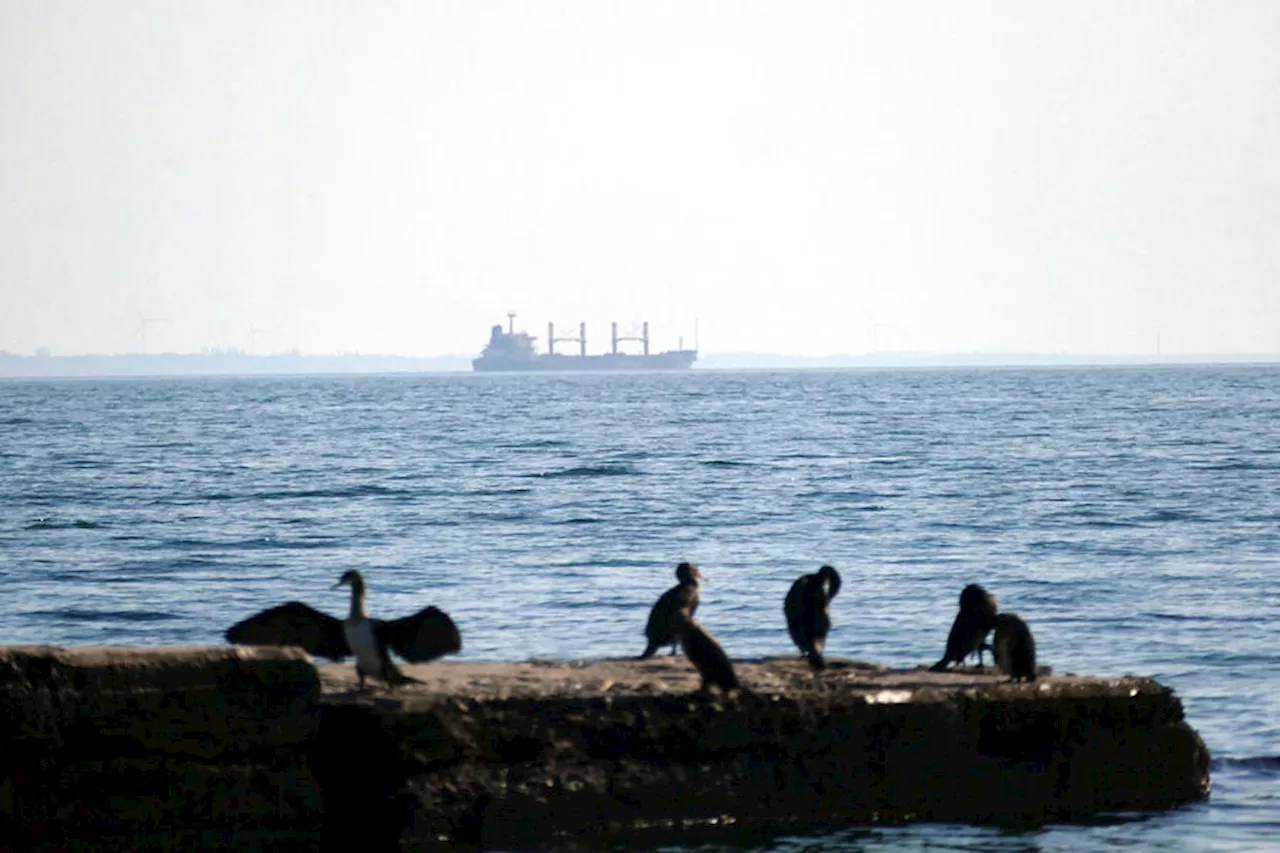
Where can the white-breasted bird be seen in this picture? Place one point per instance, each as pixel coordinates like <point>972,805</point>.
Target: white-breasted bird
<point>424,636</point>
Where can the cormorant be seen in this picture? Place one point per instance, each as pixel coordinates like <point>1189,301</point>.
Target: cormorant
<point>808,619</point>
<point>1014,648</point>
<point>664,619</point>
<point>707,656</point>
<point>971,626</point>
<point>424,636</point>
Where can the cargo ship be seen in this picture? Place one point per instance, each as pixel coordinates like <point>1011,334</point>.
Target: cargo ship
<point>509,350</point>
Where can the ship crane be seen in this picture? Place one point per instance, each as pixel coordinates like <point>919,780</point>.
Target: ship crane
<point>643,337</point>
<point>552,340</point>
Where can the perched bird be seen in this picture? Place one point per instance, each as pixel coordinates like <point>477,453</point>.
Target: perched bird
<point>971,626</point>
<point>665,619</point>
<point>708,657</point>
<point>808,619</point>
<point>1014,648</point>
<point>424,636</point>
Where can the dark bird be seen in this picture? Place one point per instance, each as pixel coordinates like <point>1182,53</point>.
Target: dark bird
<point>665,620</point>
<point>708,657</point>
<point>424,636</point>
<point>1014,648</point>
<point>974,621</point>
<point>808,619</point>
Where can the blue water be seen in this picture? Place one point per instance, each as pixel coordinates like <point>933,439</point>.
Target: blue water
<point>1130,515</point>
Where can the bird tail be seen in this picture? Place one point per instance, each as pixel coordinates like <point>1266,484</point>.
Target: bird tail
<point>400,678</point>
<point>648,652</point>
<point>394,676</point>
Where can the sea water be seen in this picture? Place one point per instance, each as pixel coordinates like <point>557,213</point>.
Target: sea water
<point>1130,515</point>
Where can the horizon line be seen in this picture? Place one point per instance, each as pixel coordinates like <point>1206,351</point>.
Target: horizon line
<point>874,354</point>
<point>237,363</point>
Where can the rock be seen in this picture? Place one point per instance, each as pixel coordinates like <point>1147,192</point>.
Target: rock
<point>209,748</point>
<point>120,747</point>
<point>511,755</point>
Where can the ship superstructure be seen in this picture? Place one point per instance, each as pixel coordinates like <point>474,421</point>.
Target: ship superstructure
<point>509,350</point>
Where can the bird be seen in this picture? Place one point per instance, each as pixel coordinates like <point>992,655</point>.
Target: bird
<point>424,636</point>
<point>1014,648</point>
<point>970,628</point>
<point>707,656</point>
<point>664,623</point>
<point>808,619</point>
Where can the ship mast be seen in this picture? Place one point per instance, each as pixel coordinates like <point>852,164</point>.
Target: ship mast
<point>643,337</point>
<point>581,339</point>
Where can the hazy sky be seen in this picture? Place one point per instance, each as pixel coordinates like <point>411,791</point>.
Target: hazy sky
<point>394,177</point>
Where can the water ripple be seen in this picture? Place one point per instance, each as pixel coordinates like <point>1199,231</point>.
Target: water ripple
<point>1129,515</point>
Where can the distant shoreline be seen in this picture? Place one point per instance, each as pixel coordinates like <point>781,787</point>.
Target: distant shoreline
<point>239,364</point>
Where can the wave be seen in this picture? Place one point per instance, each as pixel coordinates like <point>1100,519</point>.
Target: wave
<point>587,471</point>
<point>1238,465</point>
<point>606,563</point>
<point>631,454</point>
<point>163,566</point>
<point>77,615</point>
<point>349,492</point>
<point>840,496</point>
<point>499,517</point>
<point>56,524</point>
<point>531,445</point>
<point>1106,523</point>
<point>1269,764</point>
<point>1203,618</point>
<point>87,464</point>
<point>890,460</point>
<point>267,543</point>
<point>364,491</point>
<point>1171,515</point>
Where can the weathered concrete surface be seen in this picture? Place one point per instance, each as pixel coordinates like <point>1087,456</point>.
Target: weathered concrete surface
<point>230,747</point>
<point>556,753</point>
<point>170,748</point>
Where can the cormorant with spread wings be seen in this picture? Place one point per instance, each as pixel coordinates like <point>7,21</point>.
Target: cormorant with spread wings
<point>424,636</point>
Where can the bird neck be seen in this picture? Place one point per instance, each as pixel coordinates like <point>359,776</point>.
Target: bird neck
<point>357,602</point>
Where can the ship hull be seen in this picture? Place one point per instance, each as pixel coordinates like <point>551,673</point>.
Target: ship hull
<point>672,360</point>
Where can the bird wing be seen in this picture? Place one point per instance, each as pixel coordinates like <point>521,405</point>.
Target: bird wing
<point>794,606</point>
<point>658,628</point>
<point>816,619</point>
<point>293,624</point>
<point>424,636</point>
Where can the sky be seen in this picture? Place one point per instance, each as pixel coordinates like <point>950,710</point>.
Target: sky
<point>803,178</point>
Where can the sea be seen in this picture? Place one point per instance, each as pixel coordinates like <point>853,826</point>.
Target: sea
<point>1131,515</point>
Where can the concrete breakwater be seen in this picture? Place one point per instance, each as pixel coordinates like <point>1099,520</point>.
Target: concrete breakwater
<point>228,746</point>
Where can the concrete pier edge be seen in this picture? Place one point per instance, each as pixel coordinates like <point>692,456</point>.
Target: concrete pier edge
<point>219,746</point>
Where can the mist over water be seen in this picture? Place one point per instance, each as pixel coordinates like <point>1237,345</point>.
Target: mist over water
<point>1130,515</point>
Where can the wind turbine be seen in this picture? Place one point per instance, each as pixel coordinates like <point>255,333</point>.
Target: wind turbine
<point>254,331</point>
<point>873,328</point>
<point>143,321</point>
